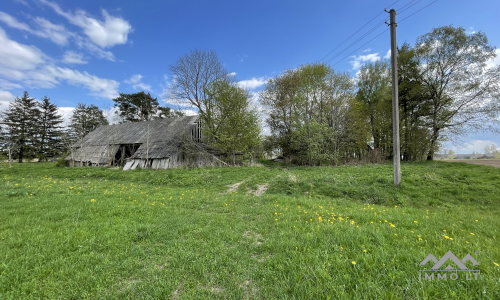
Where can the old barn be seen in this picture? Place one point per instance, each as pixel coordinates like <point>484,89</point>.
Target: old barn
<point>158,144</point>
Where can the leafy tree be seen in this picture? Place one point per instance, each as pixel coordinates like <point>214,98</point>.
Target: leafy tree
<point>21,119</point>
<point>374,91</point>
<point>49,130</point>
<point>450,154</point>
<point>414,106</point>
<point>308,109</point>
<point>463,92</point>
<point>86,118</point>
<point>231,126</point>
<point>137,107</point>
<point>487,149</point>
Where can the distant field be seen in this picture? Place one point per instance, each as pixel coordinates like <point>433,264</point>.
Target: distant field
<point>268,232</point>
<point>485,162</point>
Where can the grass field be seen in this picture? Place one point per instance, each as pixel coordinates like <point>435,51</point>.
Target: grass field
<point>282,233</point>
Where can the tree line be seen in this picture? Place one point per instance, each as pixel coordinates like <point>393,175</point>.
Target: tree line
<point>315,115</point>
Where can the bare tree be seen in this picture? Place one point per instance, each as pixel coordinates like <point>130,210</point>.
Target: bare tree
<point>192,74</point>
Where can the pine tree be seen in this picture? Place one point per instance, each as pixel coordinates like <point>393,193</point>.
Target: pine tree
<point>21,120</point>
<point>86,118</point>
<point>49,142</point>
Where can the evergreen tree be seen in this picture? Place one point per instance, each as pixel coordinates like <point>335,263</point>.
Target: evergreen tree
<point>86,118</point>
<point>49,142</point>
<point>21,120</point>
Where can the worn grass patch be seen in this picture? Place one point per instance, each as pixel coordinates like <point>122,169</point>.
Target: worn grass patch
<point>311,233</point>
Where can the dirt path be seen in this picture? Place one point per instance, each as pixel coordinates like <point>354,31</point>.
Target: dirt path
<point>490,162</point>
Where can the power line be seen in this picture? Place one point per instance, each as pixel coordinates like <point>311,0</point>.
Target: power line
<point>361,47</point>
<point>410,6</point>
<point>356,41</point>
<point>356,32</point>
<point>384,31</point>
<point>418,11</point>
<point>407,4</point>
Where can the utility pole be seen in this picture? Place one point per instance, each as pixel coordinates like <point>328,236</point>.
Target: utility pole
<point>395,104</point>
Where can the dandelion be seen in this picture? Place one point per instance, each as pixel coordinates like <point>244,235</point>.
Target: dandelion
<point>466,242</point>
<point>496,264</point>
<point>477,221</point>
<point>472,233</point>
<point>415,222</point>
<point>444,230</point>
<point>364,251</point>
<point>353,262</point>
<point>92,200</point>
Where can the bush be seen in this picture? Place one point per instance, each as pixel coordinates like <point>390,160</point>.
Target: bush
<point>61,161</point>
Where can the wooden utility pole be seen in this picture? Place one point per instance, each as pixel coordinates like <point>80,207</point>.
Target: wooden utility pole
<point>395,104</point>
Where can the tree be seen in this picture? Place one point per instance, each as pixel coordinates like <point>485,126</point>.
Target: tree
<point>192,75</point>
<point>231,126</point>
<point>374,91</point>
<point>450,154</point>
<point>464,94</point>
<point>49,132</point>
<point>86,118</point>
<point>309,108</point>
<point>487,149</point>
<point>414,106</point>
<point>139,107</point>
<point>21,118</point>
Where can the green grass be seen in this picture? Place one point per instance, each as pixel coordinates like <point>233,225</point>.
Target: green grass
<point>179,234</point>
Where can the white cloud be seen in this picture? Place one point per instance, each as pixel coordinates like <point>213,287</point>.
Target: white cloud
<point>494,62</point>
<point>84,43</point>
<point>71,57</point>
<point>66,113</point>
<point>23,2</point>
<point>5,98</point>
<point>189,112</point>
<point>13,22</point>
<point>19,62</point>
<point>232,74</point>
<point>135,82</point>
<point>476,146</point>
<point>388,55</point>
<point>4,84</point>
<point>105,33</point>
<point>18,56</point>
<point>56,33</point>
<point>252,83</point>
<point>360,60</point>
<point>470,31</point>
<point>367,50</point>
<point>104,88</point>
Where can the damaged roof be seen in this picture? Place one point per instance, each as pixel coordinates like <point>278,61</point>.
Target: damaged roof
<point>163,138</point>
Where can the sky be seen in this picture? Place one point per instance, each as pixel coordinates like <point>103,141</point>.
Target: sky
<point>88,51</point>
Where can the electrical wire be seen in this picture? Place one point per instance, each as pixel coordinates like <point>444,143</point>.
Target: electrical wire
<point>418,11</point>
<point>357,31</point>
<point>360,47</point>
<point>356,41</point>
<point>409,7</point>
<point>407,4</point>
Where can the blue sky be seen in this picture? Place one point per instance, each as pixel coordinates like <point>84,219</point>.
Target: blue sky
<point>88,51</point>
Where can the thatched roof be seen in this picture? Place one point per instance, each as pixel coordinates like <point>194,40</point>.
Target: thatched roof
<point>164,138</point>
